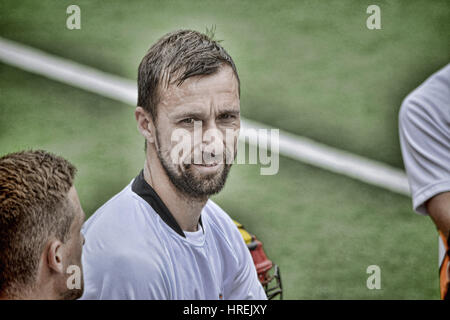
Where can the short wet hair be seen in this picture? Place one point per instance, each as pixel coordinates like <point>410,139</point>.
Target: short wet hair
<point>174,58</point>
<point>34,206</point>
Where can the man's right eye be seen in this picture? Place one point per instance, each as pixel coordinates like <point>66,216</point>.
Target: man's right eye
<point>188,121</point>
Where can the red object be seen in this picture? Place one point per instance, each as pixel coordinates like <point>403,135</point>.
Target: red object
<point>262,263</point>
<point>268,273</point>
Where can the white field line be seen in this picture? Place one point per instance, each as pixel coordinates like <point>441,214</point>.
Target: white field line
<point>124,90</point>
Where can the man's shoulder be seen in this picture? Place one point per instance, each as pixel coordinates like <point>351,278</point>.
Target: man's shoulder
<point>438,83</point>
<point>120,240</point>
<point>216,214</point>
<point>122,222</point>
<point>120,207</point>
<point>221,223</point>
<point>430,100</point>
<point>118,200</point>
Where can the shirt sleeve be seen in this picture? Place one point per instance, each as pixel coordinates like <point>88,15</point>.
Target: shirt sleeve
<point>245,285</point>
<point>424,127</point>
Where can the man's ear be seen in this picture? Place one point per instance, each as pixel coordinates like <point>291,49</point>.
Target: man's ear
<point>145,124</point>
<point>55,256</point>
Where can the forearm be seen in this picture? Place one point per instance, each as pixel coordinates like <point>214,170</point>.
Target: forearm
<point>438,208</point>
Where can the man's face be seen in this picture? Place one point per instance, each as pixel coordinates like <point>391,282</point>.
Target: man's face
<point>207,109</point>
<point>74,246</point>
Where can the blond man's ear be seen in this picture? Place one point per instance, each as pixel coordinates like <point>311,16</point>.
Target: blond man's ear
<point>55,256</point>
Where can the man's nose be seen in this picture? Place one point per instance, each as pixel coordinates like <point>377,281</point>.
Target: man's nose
<point>210,124</point>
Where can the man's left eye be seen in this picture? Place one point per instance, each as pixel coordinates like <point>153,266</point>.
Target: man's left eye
<point>226,116</point>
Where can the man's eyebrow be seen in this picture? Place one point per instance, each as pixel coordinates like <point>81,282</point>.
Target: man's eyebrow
<point>194,114</point>
<point>230,111</point>
<point>188,114</point>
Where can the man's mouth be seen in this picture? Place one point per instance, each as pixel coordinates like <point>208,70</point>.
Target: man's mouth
<point>206,167</point>
<point>207,164</point>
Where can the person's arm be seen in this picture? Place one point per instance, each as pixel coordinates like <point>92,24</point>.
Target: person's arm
<point>438,208</point>
<point>245,285</point>
<point>425,143</point>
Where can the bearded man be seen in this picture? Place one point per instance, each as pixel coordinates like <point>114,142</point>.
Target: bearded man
<point>161,237</point>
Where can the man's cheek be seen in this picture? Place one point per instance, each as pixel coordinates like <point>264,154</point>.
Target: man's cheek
<point>180,147</point>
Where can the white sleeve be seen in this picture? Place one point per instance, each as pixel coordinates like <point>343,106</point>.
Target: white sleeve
<point>424,127</point>
<point>245,285</point>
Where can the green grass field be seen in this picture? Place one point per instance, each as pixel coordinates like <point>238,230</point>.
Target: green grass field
<point>307,67</point>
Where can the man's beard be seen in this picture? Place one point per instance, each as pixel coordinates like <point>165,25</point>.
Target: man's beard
<point>189,181</point>
<point>74,294</point>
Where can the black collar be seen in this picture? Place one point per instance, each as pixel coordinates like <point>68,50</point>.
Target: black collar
<point>146,192</point>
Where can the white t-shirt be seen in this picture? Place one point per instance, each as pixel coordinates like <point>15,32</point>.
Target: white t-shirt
<point>424,124</point>
<point>134,249</point>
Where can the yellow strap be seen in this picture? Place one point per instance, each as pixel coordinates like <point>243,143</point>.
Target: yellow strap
<point>244,233</point>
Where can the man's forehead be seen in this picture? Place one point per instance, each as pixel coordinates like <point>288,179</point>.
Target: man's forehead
<point>222,86</point>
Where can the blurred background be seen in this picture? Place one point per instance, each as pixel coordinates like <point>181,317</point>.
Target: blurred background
<point>312,68</point>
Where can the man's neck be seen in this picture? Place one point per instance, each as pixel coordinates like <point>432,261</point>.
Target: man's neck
<point>28,294</point>
<point>185,210</point>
